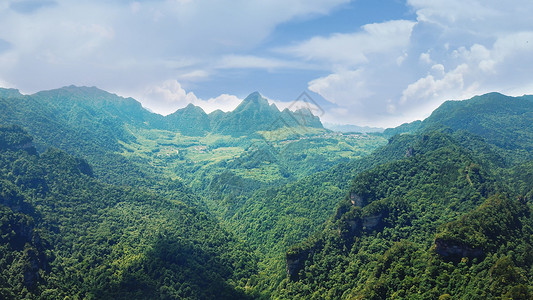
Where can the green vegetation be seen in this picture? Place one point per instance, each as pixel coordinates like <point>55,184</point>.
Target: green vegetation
<point>101,199</point>
<point>67,234</point>
<point>392,236</point>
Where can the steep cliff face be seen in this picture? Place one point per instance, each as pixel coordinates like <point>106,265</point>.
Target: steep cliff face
<point>356,199</point>
<point>295,261</point>
<point>453,249</point>
<point>373,221</point>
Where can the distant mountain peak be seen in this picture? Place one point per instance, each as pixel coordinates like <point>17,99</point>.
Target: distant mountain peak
<point>254,102</point>
<point>253,96</point>
<point>189,109</point>
<point>6,92</point>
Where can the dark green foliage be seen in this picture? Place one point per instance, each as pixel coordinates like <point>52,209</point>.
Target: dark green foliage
<point>392,237</point>
<point>442,213</point>
<point>14,138</point>
<point>106,242</point>
<point>498,219</point>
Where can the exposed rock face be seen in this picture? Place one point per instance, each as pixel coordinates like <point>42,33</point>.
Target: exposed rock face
<point>356,200</point>
<point>409,152</point>
<point>296,262</point>
<point>372,222</point>
<point>453,249</point>
<point>349,229</point>
<point>31,268</point>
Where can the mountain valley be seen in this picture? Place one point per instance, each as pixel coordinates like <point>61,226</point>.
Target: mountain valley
<point>103,199</point>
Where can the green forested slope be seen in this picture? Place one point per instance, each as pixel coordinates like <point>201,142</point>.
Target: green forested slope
<point>503,121</point>
<point>432,224</point>
<point>128,145</point>
<point>442,212</point>
<point>64,233</point>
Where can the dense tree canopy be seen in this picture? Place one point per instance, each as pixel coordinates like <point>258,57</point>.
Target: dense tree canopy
<point>101,199</point>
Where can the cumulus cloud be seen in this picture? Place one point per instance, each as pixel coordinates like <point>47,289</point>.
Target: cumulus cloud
<point>380,74</point>
<point>354,48</point>
<point>428,88</point>
<point>130,43</point>
<point>455,50</point>
<point>169,96</point>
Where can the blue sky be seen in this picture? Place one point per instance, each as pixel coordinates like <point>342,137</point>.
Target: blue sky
<point>377,63</point>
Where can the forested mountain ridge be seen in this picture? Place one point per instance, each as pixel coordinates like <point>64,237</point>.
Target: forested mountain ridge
<point>393,236</point>
<point>256,114</point>
<point>440,209</point>
<point>99,126</point>
<point>502,121</point>
<point>65,234</point>
<point>452,218</point>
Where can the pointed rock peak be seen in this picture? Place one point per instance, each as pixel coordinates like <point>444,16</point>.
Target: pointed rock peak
<point>274,107</point>
<point>216,112</point>
<point>255,96</point>
<point>303,110</point>
<point>254,101</point>
<point>190,109</point>
<point>7,92</point>
<point>191,106</point>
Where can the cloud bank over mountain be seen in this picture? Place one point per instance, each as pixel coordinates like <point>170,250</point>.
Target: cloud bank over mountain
<point>368,63</point>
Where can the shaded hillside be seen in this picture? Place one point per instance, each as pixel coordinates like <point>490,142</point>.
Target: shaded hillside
<point>65,234</point>
<point>87,122</point>
<point>381,242</point>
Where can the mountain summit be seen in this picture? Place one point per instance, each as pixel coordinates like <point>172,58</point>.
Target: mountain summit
<point>81,107</point>
<point>256,114</point>
<point>190,120</point>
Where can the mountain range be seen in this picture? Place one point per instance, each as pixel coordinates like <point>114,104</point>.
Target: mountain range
<point>102,199</point>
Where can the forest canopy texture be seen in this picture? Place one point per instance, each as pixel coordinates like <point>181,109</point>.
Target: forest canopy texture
<point>102,199</point>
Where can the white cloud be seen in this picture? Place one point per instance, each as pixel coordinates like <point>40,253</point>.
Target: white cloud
<point>5,84</point>
<point>355,48</point>
<point>455,50</point>
<point>223,102</point>
<point>425,58</point>
<point>343,87</point>
<point>195,75</point>
<point>379,74</point>
<point>122,44</point>
<point>429,88</point>
<point>169,96</point>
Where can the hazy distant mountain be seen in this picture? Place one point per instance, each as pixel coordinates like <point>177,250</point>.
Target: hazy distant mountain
<point>351,128</point>
<point>190,120</point>
<point>256,114</point>
<point>93,110</point>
